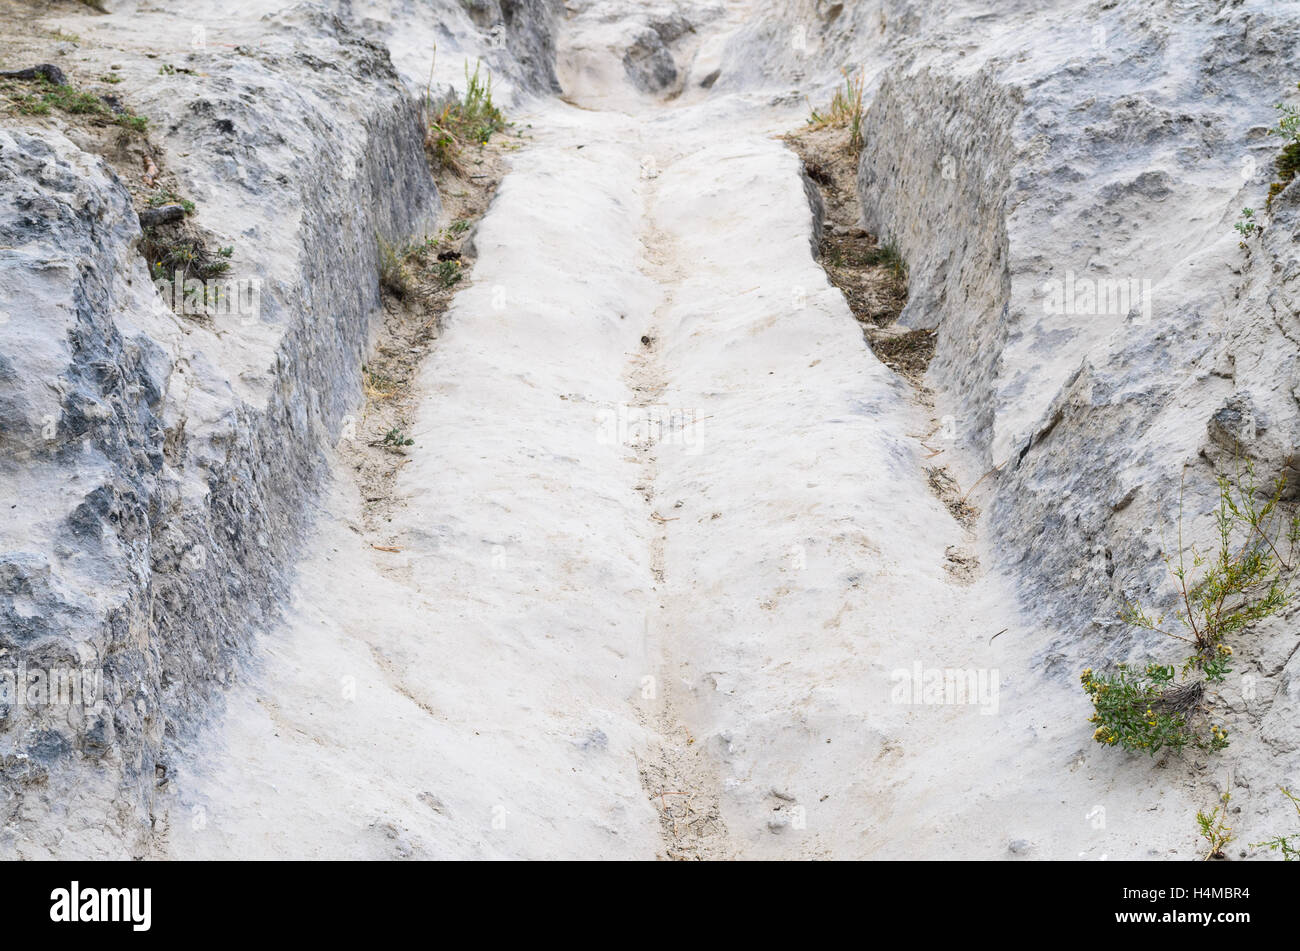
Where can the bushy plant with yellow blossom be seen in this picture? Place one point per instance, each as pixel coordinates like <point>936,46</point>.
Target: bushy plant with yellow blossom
<point>1132,711</point>
<point>1247,578</point>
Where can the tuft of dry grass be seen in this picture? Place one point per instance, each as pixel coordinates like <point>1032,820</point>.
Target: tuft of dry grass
<point>459,123</point>
<point>394,275</point>
<point>377,386</point>
<point>845,110</point>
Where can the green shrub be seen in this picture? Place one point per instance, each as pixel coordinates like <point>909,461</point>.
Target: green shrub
<point>449,273</point>
<point>1245,579</point>
<point>1146,711</point>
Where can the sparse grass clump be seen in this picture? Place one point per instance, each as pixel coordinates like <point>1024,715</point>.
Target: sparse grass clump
<point>1247,578</point>
<point>394,275</point>
<point>845,109</point>
<point>888,255</point>
<point>469,120</point>
<point>378,386</point>
<point>405,270</point>
<point>49,96</point>
<point>1288,845</point>
<point>165,197</point>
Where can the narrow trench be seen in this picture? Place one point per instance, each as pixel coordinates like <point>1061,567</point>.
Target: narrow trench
<point>873,279</point>
<point>673,770</point>
<point>419,279</point>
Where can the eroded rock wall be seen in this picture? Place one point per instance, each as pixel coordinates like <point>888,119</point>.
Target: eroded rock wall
<point>158,469</point>
<point>1016,155</point>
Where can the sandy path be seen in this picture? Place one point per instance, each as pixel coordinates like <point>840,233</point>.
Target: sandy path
<point>626,567</point>
<point>666,539</point>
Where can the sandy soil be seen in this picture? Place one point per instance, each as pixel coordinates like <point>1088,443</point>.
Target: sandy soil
<point>668,569</point>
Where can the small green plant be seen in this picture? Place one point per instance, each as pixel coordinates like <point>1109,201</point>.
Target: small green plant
<point>1247,227</point>
<point>888,255</point>
<point>1214,828</point>
<point>1287,163</point>
<point>1288,845</point>
<point>471,119</point>
<point>845,109</point>
<point>66,98</point>
<point>166,197</point>
<point>449,273</point>
<point>111,78</point>
<point>396,438</point>
<point>459,227</point>
<point>1247,578</point>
